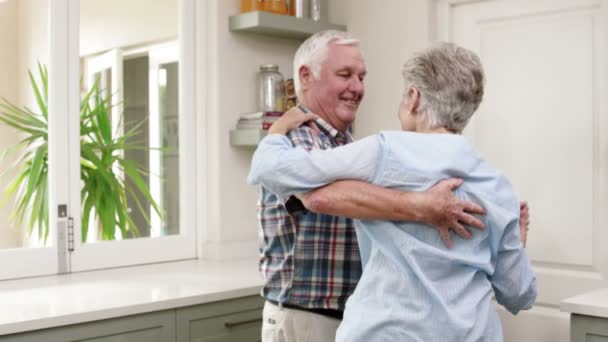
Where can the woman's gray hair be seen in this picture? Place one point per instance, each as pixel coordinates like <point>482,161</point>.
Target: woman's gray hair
<point>314,50</point>
<point>450,80</point>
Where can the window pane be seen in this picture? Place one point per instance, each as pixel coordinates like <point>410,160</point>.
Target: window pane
<point>130,76</point>
<point>23,126</point>
<point>168,90</point>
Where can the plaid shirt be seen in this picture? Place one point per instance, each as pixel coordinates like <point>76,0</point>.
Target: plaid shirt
<point>307,259</point>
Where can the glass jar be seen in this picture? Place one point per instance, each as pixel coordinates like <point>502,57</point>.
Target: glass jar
<point>315,10</point>
<point>274,6</point>
<point>300,8</point>
<point>252,5</point>
<point>271,89</point>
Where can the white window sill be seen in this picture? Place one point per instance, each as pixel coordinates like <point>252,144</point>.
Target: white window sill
<point>52,301</point>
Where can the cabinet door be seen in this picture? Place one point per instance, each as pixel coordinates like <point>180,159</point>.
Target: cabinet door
<point>528,49</point>
<point>588,329</point>
<point>226,321</point>
<point>153,327</point>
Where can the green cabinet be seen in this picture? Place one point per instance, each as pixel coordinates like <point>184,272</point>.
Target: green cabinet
<point>588,328</point>
<point>151,327</point>
<point>230,320</point>
<point>238,320</point>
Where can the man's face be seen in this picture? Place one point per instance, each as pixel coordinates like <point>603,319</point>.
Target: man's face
<point>337,93</point>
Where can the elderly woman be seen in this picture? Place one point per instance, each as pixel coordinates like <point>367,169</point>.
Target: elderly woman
<point>413,287</point>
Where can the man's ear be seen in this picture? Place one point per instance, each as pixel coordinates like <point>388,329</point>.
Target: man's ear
<point>414,100</point>
<point>305,76</point>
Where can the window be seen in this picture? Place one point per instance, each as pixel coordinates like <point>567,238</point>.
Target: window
<point>119,117</point>
<point>24,230</point>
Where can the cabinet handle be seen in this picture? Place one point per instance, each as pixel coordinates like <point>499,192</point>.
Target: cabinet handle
<point>237,323</point>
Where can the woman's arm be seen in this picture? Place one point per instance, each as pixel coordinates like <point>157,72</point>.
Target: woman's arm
<point>514,281</point>
<point>286,170</point>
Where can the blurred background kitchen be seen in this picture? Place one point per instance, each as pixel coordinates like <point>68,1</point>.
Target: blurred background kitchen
<point>178,82</point>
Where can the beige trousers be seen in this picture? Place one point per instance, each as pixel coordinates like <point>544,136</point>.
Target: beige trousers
<point>289,325</point>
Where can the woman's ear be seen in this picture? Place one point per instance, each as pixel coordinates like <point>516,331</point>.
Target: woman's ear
<point>414,100</point>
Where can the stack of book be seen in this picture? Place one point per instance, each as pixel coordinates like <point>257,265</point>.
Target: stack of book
<point>257,120</point>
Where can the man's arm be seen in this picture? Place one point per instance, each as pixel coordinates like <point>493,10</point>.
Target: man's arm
<point>436,206</point>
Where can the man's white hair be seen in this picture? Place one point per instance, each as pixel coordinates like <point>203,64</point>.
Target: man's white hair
<point>314,50</point>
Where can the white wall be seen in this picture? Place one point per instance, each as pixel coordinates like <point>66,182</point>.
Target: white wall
<point>8,52</point>
<point>33,44</point>
<point>233,62</point>
<point>9,237</point>
<point>24,42</point>
<point>107,24</point>
<point>104,25</point>
<point>389,31</point>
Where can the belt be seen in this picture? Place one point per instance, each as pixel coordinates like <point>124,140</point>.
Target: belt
<point>337,314</point>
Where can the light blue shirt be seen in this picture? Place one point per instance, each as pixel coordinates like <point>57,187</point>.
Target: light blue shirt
<point>413,288</point>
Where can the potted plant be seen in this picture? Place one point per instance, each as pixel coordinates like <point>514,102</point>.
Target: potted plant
<point>104,170</point>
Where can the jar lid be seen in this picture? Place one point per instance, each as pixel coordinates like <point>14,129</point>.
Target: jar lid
<point>269,67</point>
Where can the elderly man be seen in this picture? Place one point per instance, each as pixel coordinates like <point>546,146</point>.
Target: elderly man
<point>311,262</point>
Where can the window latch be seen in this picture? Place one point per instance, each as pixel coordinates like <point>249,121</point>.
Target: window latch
<point>70,234</point>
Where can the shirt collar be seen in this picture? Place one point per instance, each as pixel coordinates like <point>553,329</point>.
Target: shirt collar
<point>323,125</point>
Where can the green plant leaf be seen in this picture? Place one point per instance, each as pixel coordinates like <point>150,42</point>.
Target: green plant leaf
<point>104,169</point>
<point>36,172</point>
<point>36,218</point>
<point>133,173</point>
<point>13,186</point>
<point>87,207</point>
<point>103,119</point>
<point>44,79</point>
<point>39,96</point>
<point>27,119</point>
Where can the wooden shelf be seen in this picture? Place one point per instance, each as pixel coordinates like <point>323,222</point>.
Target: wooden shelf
<point>279,25</point>
<point>246,137</point>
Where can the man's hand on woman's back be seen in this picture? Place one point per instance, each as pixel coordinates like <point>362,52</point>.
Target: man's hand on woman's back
<point>440,208</point>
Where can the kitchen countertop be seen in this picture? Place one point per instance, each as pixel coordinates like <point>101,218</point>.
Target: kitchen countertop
<point>52,301</point>
<point>594,303</point>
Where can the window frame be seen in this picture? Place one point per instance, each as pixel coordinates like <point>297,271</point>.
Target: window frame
<point>64,159</point>
<point>106,254</point>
